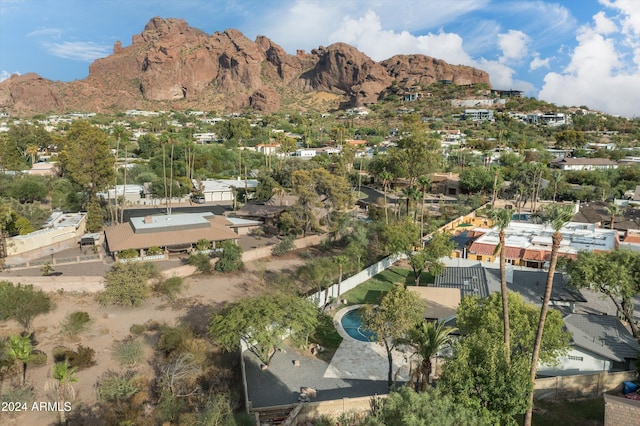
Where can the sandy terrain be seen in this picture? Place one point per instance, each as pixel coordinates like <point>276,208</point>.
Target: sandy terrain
<point>110,324</point>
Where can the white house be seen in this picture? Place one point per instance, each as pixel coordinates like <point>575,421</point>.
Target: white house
<point>222,189</point>
<point>598,343</point>
<point>584,164</point>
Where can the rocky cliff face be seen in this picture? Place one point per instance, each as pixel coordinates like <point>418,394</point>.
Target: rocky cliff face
<point>171,65</point>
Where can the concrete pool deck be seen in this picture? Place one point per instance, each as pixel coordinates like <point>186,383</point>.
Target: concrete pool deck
<point>356,369</point>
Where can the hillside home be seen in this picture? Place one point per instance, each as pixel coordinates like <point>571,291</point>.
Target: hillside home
<point>478,115</point>
<point>584,164</point>
<point>222,189</point>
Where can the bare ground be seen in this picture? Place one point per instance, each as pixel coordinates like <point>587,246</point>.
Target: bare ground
<point>203,295</point>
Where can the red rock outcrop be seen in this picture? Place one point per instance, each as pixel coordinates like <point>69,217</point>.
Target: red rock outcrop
<point>171,64</point>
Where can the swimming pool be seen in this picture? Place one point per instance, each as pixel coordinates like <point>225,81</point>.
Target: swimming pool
<point>352,325</point>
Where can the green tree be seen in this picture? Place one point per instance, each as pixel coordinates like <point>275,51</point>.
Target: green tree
<point>501,218</point>
<point>386,177</point>
<point>398,312</point>
<point>262,322</point>
<point>230,259</point>
<point>22,303</point>
<point>556,216</point>
<point>478,179</point>
<point>615,274</point>
<point>438,246</point>
<point>341,261</point>
<point>427,339</point>
<point>476,314</point>
<point>28,189</point>
<point>480,379</point>
<point>19,348</point>
<point>405,407</point>
<point>90,162</point>
<point>126,284</point>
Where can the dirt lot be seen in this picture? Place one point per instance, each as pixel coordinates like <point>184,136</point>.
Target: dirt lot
<point>111,324</point>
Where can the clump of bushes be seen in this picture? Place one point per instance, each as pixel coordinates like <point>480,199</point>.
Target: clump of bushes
<point>231,257</point>
<point>128,352</point>
<point>83,357</point>
<point>284,246</point>
<point>202,262</point>
<point>137,329</point>
<point>37,359</point>
<point>75,323</point>
<point>170,288</point>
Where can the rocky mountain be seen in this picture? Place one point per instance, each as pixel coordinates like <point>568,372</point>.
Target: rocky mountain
<point>172,65</point>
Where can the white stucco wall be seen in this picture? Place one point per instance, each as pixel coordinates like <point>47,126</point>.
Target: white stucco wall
<point>590,363</point>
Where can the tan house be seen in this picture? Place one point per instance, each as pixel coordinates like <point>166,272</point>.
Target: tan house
<point>178,232</point>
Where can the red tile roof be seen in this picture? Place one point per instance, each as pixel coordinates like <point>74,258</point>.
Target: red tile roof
<point>482,249</point>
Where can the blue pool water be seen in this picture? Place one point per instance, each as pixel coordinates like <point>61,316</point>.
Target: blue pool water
<point>352,324</point>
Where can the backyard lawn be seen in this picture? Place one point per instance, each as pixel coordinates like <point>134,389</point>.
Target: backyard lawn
<point>583,412</point>
<point>372,290</point>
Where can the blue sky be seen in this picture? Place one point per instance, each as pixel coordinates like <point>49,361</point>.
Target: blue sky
<point>570,52</point>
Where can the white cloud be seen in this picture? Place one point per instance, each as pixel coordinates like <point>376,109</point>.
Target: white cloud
<point>513,45</point>
<point>604,25</point>
<point>4,75</point>
<point>630,14</point>
<point>78,50</point>
<point>537,63</point>
<point>54,33</point>
<point>602,73</point>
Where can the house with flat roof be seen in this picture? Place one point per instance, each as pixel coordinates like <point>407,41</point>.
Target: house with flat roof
<point>177,232</point>
<point>222,189</point>
<point>584,164</point>
<point>529,244</point>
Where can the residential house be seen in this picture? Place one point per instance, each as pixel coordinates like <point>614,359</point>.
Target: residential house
<point>478,114</point>
<point>445,183</point>
<point>223,189</point>
<point>44,169</point>
<point>529,244</point>
<point>598,343</point>
<point>584,164</point>
<point>178,232</point>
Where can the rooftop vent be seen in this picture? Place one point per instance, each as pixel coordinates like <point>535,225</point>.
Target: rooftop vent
<point>148,219</point>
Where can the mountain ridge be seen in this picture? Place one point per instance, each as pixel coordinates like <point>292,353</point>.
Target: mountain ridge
<point>171,65</point>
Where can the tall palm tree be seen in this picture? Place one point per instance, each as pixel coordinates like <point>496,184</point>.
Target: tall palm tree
<point>556,216</point>
<point>62,387</point>
<point>424,182</point>
<point>386,177</point>
<point>556,178</point>
<point>341,261</point>
<point>501,218</point>
<point>427,339</point>
<point>163,141</point>
<point>19,348</point>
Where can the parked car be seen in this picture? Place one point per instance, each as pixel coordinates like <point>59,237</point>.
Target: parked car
<point>199,199</point>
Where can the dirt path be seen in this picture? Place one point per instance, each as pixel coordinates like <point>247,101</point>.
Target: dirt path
<point>110,324</point>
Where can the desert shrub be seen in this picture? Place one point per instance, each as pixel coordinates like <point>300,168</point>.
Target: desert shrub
<point>170,288</point>
<point>128,352</point>
<point>75,323</point>
<point>306,255</point>
<point>173,338</point>
<point>37,359</point>
<point>58,353</point>
<point>82,357</point>
<point>113,387</point>
<point>137,329</point>
<point>46,269</point>
<point>231,257</point>
<point>203,244</point>
<point>128,254</point>
<point>202,262</point>
<point>170,407</point>
<point>284,246</point>
<point>155,250</point>
<point>24,394</point>
<point>126,284</point>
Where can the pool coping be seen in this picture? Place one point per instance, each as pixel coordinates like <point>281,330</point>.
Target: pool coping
<point>337,322</point>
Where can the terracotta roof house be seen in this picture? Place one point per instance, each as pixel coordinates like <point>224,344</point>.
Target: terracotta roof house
<point>584,164</point>
<point>171,232</point>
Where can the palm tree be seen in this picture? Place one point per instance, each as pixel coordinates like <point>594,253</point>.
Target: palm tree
<point>556,178</point>
<point>424,182</point>
<point>341,261</point>
<point>31,150</point>
<point>163,141</point>
<point>386,177</point>
<point>63,389</point>
<point>614,210</point>
<point>19,348</point>
<point>501,218</point>
<point>428,338</point>
<point>557,216</point>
